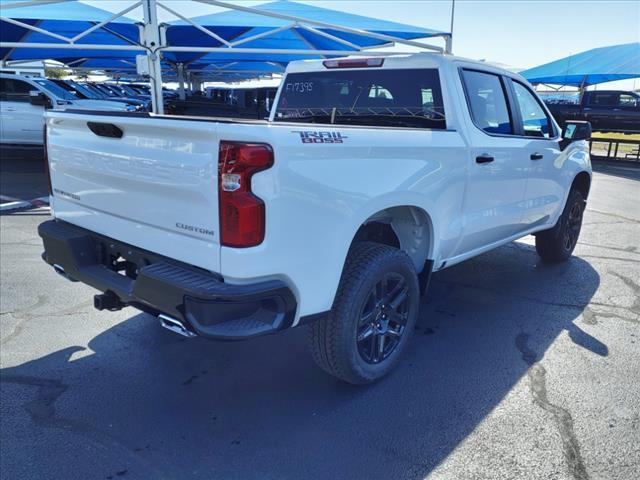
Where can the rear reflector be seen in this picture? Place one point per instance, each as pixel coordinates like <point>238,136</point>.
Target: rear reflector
<point>354,63</point>
<point>46,156</point>
<point>242,214</point>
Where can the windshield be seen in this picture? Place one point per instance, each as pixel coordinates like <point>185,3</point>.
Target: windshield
<point>96,91</point>
<point>54,89</point>
<point>83,90</point>
<point>397,98</point>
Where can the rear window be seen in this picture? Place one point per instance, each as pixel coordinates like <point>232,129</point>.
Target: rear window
<point>395,98</point>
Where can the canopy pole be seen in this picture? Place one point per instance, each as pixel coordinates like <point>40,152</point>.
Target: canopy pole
<point>181,91</point>
<point>151,40</point>
<point>449,38</point>
<point>582,87</point>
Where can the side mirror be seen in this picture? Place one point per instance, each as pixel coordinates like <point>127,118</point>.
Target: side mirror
<point>39,99</point>
<point>573,131</point>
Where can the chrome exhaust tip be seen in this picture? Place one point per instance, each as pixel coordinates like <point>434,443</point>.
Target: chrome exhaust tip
<point>59,269</point>
<point>176,326</point>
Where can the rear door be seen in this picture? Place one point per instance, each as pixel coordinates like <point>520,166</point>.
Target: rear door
<point>493,206</point>
<point>148,182</point>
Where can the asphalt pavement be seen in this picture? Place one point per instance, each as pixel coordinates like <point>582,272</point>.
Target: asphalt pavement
<point>517,370</point>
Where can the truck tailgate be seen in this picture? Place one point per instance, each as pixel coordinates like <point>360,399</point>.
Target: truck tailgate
<point>155,186</point>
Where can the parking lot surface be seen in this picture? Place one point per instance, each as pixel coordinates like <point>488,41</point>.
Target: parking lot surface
<point>517,370</point>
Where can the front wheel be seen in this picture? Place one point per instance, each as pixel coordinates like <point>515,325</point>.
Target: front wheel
<point>558,243</point>
<point>372,317</point>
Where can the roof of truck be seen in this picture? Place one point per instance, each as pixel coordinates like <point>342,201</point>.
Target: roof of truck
<point>409,60</point>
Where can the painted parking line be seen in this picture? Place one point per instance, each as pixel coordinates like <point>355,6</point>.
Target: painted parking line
<point>8,204</point>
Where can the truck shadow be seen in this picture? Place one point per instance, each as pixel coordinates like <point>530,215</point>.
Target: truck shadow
<point>158,406</point>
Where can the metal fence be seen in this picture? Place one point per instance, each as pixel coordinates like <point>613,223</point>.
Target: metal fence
<point>615,149</point>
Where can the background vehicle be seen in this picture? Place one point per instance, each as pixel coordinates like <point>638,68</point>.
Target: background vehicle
<point>606,110</point>
<point>22,114</point>
<point>371,174</point>
<point>251,102</point>
<point>83,92</point>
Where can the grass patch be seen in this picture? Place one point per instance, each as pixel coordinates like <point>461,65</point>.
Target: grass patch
<point>617,136</point>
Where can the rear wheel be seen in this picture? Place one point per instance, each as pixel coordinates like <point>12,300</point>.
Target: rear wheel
<point>558,243</point>
<point>372,317</point>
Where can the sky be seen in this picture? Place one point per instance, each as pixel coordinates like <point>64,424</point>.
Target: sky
<point>517,33</point>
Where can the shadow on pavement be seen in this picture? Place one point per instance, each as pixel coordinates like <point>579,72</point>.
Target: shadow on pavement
<point>153,405</point>
<point>624,169</point>
<point>22,173</point>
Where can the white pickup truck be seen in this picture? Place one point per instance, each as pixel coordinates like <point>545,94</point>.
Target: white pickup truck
<point>371,174</point>
<point>23,101</point>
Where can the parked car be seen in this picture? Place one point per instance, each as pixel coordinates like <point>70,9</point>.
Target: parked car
<point>371,174</point>
<point>252,102</point>
<point>23,101</point>
<point>606,110</point>
<point>83,92</point>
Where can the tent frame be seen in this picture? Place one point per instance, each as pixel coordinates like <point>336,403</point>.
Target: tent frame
<point>153,43</point>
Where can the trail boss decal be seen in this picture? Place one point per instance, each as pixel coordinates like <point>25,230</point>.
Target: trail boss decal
<point>310,136</point>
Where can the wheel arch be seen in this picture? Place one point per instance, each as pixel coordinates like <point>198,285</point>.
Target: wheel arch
<point>407,227</point>
<point>582,183</point>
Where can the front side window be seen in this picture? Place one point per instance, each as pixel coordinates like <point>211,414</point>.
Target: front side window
<point>15,90</point>
<point>394,98</point>
<point>535,121</point>
<point>487,102</point>
<point>627,100</point>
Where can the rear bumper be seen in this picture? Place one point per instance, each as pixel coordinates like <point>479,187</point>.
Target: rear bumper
<point>202,301</point>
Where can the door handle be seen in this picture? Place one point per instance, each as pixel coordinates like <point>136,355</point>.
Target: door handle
<point>484,158</point>
<point>536,156</point>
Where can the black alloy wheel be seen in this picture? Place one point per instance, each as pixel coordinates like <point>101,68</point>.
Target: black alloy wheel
<point>383,318</point>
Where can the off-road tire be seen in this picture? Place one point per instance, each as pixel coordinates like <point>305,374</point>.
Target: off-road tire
<point>557,244</point>
<point>334,340</point>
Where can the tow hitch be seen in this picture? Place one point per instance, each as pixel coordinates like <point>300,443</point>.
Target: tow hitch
<point>108,301</point>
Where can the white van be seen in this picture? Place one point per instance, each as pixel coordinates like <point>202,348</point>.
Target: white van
<point>23,101</point>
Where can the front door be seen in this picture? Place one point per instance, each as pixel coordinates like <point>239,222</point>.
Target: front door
<point>544,193</point>
<point>22,122</point>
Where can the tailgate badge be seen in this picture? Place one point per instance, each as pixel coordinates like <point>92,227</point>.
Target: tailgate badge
<point>191,228</point>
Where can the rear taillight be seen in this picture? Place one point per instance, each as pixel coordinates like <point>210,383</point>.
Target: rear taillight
<point>242,214</point>
<point>46,157</point>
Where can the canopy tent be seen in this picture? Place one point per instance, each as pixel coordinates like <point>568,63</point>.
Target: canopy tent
<point>59,24</point>
<point>599,65</point>
<point>286,25</point>
<point>240,41</point>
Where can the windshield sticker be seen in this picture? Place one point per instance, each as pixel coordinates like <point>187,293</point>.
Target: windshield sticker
<point>311,136</point>
<point>298,87</point>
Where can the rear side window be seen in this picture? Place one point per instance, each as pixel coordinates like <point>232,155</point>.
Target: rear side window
<point>487,102</point>
<point>535,121</point>
<point>395,98</point>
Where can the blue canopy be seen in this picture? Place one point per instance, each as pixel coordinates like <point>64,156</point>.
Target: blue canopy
<point>312,33</point>
<point>237,26</point>
<point>605,64</point>
<point>66,20</point>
